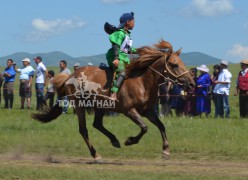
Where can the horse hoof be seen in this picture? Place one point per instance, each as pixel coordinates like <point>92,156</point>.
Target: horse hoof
<point>98,160</point>
<point>116,144</point>
<point>131,141</point>
<point>166,154</point>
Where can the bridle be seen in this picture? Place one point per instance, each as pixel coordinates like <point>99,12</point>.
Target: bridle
<point>170,72</point>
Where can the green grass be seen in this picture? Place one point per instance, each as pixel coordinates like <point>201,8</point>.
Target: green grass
<point>189,138</point>
<point>96,172</point>
<point>197,140</point>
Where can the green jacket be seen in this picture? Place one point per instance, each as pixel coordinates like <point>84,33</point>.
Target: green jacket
<point>124,42</point>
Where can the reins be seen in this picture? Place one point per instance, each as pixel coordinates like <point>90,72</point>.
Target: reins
<point>176,76</point>
<point>171,73</point>
<point>166,78</point>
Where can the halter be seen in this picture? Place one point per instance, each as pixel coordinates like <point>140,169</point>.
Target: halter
<point>170,72</point>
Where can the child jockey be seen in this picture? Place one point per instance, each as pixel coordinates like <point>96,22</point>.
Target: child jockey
<point>117,56</point>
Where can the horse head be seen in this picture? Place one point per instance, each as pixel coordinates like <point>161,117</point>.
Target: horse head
<point>177,71</point>
<point>174,68</point>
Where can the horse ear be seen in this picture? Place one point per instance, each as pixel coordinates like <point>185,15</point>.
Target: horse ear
<point>178,52</point>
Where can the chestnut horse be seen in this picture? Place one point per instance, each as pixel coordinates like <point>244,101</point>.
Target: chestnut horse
<point>137,96</point>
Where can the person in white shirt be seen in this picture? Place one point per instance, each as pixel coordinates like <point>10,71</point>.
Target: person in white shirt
<point>221,90</point>
<point>26,78</point>
<point>40,81</point>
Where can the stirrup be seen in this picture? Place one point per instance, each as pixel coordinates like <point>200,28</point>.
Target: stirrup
<point>112,98</point>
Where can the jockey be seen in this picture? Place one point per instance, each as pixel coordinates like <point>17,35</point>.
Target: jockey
<point>117,56</point>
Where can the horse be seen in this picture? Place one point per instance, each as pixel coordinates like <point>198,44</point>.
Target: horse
<point>136,98</point>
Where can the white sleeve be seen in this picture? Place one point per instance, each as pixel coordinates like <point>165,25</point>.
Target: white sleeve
<point>43,67</point>
<point>228,77</point>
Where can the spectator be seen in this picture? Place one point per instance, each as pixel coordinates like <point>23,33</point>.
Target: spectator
<point>63,67</point>
<point>8,87</point>
<point>214,77</point>
<point>76,66</point>
<point>222,87</point>
<point>242,89</point>
<point>50,89</point>
<point>203,83</point>
<point>190,98</point>
<point>164,99</point>
<point>1,83</point>
<point>41,74</point>
<point>64,70</point>
<point>176,100</point>
<point>26,77</point>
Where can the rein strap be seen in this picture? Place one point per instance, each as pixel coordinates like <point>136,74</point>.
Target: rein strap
<point>167,78</point>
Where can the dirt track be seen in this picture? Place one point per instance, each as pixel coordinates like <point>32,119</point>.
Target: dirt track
<point>196,167</point>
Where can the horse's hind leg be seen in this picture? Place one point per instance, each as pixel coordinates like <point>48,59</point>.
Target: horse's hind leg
<point>135,117</point>
<point>152,116</point>
<point>84,132</point>
<point>98,124</point>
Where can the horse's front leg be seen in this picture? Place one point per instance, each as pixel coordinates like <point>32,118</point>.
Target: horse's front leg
<point>152,116</point>
<point>135,117</point>
<point>84,132</point>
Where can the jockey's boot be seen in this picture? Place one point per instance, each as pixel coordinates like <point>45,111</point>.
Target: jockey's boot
<point>120,79</point>
<point>118,83</point>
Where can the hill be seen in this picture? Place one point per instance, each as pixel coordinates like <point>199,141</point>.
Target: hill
<point>53,58</point>
<point>197,58</point>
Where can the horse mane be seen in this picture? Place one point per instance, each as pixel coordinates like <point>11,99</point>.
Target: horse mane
<point>164,45</point>
<point>147,56</point>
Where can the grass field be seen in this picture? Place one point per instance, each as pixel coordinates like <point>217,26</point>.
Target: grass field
<point>200,148</point>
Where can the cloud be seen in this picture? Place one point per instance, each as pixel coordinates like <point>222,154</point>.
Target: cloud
<point>238,51</point>
<point>115,1</point>
<point>209,8</point>
<point>44,29</point>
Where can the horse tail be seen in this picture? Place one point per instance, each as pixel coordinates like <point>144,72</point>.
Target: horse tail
<point>47,115</point>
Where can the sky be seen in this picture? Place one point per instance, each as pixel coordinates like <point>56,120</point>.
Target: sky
<point>218,28</point>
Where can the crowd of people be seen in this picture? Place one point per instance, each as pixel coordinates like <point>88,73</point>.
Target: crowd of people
<point>190,102</point>
<point>209,88</point>
<point>42,77</point>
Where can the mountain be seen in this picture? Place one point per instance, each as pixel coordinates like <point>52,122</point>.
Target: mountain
<point>95,60</point>
<point>50,59</point>
<point>197,58</point>
<point>53,58</point>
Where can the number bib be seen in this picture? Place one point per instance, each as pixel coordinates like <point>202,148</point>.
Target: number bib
<point>127,44</point>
